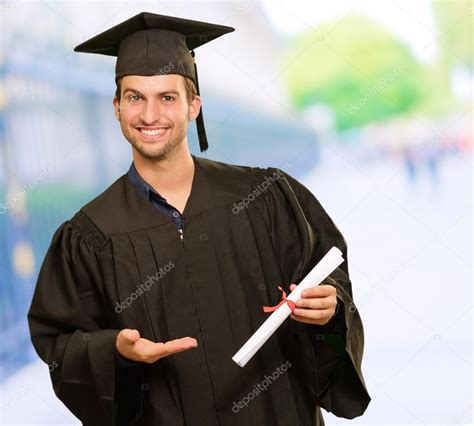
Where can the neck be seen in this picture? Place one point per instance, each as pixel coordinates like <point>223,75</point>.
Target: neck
<point>169,175</point>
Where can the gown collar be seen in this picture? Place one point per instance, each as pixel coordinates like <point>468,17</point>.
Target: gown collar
<point>122,208</point>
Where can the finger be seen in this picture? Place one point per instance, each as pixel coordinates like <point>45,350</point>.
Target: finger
<point>180,345</point>
<point>304,320</point>
<point>292,287</point>
<point>321,290</point>
<point>317,303</point>
<point>315,314</point>
<point>319,321</point>
<point>174,346</point>
<point>130,336</point>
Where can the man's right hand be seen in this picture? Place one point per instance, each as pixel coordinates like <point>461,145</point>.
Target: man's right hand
<point>130,345</point>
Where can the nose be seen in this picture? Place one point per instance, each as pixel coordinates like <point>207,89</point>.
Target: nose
<point>150,112</point>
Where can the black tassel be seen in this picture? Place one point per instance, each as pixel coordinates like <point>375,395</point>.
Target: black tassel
<point>201,131</point>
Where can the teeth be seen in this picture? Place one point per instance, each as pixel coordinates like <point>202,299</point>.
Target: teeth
<point>153,132</point>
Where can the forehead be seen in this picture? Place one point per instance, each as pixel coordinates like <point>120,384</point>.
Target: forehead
<point>153,83</point>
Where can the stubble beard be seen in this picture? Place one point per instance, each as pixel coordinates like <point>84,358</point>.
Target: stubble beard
<point>159,150</point>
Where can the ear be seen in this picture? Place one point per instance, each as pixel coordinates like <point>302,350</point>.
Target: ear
<point>116,108</point>
<point>195,107</point>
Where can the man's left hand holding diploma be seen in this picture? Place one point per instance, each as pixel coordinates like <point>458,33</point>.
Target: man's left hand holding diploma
<point>317,304</point>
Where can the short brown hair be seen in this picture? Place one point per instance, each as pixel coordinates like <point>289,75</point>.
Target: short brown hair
<point>189,85</point>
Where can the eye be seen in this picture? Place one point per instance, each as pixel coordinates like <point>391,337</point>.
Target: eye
<point>168,98</point>
<point>134,98</point>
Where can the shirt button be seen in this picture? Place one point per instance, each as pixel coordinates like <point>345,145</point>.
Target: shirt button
<point>175,214</point>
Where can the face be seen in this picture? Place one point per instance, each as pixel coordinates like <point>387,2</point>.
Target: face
<point>154,114</point>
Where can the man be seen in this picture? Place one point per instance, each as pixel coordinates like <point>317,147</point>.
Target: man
<point>149,290</point>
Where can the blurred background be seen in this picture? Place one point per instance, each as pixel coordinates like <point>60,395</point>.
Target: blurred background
<point>368,103</point>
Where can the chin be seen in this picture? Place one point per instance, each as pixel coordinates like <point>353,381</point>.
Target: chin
<point>150,153</point>
<point>153,150</point>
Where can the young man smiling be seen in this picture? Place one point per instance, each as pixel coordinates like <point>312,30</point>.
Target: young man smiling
<point>166,358</point>
<point>154,113</point>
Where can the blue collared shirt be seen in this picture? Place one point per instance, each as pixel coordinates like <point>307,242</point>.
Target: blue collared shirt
<point>154,197</point>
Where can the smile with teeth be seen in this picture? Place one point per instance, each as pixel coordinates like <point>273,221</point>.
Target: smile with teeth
<point>153,132</point>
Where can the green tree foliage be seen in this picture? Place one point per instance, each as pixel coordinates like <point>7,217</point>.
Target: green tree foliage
<point>356,67</point>
<point>455,22</point>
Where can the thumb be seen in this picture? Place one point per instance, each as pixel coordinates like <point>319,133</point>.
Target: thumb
<point>131,335</point>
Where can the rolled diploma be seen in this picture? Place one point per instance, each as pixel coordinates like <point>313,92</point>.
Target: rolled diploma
<point>325,266</point>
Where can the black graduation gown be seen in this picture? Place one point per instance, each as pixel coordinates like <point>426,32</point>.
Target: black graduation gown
<point>120,263</point>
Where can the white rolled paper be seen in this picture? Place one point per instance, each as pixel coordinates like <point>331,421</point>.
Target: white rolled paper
<point>325,266</point>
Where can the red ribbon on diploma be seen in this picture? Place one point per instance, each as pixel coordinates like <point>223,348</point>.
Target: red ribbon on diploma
<point>290,303</point>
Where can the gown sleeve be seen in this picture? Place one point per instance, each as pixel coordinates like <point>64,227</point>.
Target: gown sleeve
<point>302,233</point>
<point>68,326</point>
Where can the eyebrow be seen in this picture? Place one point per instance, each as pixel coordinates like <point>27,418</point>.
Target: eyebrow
<point>137,92</point>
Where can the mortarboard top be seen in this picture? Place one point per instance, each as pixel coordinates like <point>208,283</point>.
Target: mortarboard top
<point>149,44</point>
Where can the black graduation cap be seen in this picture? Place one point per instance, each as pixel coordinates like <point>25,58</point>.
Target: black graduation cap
<point>147,44</point>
